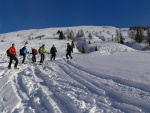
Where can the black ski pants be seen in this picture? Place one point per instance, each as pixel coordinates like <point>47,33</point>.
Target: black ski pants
<point>33,58</point>
<point>13,57</point>
<point>68,54</point>
<point>42,58</point>
<point>53,56</point>
<point>24,57</point>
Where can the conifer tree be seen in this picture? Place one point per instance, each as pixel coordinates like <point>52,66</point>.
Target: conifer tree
<point>148,35</point>
<point>82,49</point>
<point>138,36</point>
<point>96,48</point>
<point>70,36</point>
<point>117,36</point>
<point>89,42</point>
<point>90,36</point>
<point>67,32</point>
<point>58,32</point>
<point>61,35</point>
<point>131,34</point>
<point>80,33</point>
<point>121,38</point>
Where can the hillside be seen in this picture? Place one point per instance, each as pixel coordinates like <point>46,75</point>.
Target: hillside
<point>113,79</point>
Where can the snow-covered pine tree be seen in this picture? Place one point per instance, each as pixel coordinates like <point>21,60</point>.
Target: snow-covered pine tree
<point>70,36</point>
<point>131,34</point>
<point>80,34</point>
<point>117,36</point>
<point>67,32</point>
<point>72,33</point>
<point>90,36</point>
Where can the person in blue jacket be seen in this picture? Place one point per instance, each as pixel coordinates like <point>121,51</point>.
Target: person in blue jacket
<point>24,53</point>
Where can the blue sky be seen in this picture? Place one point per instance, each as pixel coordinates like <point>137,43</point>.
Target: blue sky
<point>34,14</point>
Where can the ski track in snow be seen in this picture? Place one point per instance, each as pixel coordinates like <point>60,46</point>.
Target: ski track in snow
<point>63,86</point>
<point>112,88</point>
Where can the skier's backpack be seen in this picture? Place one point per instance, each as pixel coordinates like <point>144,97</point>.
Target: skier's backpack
<point>35,52</point>
<point>7,52</point>
<point>21,51</point>
<point>39,50</point>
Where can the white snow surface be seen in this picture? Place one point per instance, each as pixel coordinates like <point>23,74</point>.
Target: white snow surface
<point>114,79</point>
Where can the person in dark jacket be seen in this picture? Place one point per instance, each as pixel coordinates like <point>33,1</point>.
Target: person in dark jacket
<point>24,50</point>
<point>53,52</point>
<point>12,52</point>
<point>68,50</point>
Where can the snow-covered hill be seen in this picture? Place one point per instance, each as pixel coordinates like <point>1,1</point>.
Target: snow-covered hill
<point>114,79</point>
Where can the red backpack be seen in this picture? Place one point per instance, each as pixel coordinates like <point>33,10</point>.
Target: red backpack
<point>35,52</point>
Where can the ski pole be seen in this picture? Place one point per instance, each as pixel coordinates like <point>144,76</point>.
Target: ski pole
<point>57,54</point>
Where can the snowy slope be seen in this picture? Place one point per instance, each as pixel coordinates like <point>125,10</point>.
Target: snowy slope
<point>114,79</point>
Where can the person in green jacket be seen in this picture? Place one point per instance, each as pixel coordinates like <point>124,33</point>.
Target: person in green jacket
<point>42,51</point>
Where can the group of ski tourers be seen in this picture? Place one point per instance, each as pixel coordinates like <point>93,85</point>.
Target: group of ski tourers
<point>11,52</point>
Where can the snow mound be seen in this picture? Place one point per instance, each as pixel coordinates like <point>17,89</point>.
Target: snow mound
<point>112,47</point>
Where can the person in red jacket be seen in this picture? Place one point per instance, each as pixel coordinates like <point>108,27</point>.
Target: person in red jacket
<point>12,52</point>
